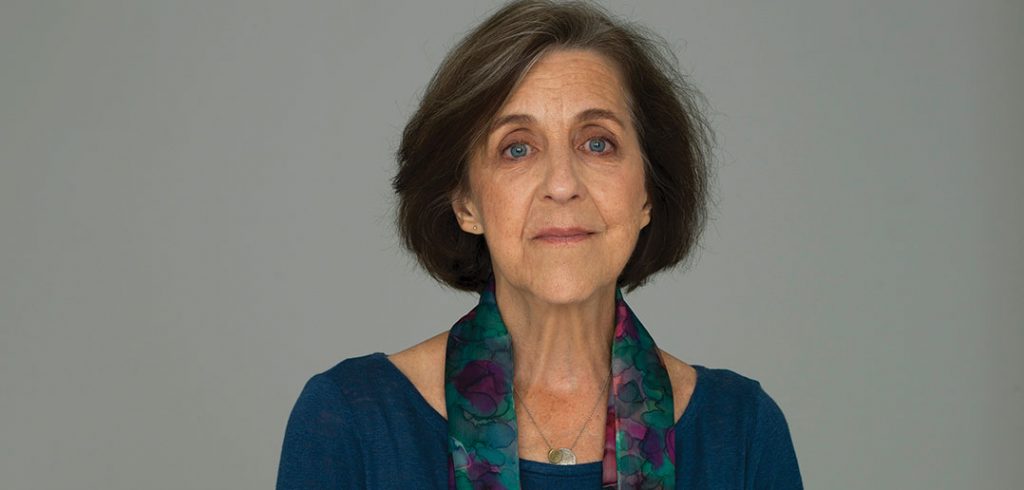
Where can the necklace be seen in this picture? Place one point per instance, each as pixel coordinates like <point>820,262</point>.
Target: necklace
<point>562,455</point>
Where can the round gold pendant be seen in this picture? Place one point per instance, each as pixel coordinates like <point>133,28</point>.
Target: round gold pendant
<point>562,456</point>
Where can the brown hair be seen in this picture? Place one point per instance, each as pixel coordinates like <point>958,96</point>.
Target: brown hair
<point>477,78</point>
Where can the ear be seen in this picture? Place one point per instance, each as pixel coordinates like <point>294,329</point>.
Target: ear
<point>467,213</point>
<point>645,217</point>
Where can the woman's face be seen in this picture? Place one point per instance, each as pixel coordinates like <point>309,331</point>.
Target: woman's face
<point>557,188</point>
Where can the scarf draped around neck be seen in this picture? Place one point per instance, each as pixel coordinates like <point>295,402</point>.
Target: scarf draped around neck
<point>482,430</point>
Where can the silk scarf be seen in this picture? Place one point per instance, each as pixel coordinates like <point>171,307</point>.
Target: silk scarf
<point>482,430</point>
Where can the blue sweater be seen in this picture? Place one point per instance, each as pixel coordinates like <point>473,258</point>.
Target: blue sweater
<point>362,424</point>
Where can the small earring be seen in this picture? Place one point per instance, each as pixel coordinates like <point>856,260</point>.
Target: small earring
<point>474,227</point>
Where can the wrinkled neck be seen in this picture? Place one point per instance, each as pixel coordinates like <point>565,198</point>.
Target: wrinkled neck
<point>559,348</point>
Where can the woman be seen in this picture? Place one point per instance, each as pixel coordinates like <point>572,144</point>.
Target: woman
<point>556,159</point>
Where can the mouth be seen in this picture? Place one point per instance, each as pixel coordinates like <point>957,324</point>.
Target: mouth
<point>563,235</point>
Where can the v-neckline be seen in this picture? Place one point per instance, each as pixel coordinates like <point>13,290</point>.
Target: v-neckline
<point>439,423</point>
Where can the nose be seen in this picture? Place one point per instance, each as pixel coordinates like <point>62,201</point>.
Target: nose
<point>562,181</point>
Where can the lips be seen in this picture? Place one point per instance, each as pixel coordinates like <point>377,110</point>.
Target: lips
<point>563,235</point>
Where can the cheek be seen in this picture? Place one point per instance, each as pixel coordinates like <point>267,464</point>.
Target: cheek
<point>503,210</point>
<point>624,202</point>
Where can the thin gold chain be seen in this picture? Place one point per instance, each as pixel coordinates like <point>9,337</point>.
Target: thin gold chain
<point>592,410</point>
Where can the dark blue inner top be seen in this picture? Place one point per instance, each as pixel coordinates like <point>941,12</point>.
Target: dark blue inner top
<point>362,424</point>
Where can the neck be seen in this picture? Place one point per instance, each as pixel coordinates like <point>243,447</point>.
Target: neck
<point>560,349</point>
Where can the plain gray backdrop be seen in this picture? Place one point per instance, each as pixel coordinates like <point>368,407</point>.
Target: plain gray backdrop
<point>195,217</point>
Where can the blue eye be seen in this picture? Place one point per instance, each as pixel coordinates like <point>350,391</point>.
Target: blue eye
<point>596,145</point>
<point>600,145</point>
<point>517,150</point>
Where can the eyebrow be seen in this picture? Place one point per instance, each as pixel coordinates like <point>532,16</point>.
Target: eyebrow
<point>591,114</point>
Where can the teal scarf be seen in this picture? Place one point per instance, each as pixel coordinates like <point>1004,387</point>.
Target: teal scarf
<point>482,431</point>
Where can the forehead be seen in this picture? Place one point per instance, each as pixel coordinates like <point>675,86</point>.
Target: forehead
<point>563,82</point>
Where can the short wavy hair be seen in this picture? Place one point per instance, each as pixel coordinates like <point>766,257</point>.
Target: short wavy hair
<point>479,75</point>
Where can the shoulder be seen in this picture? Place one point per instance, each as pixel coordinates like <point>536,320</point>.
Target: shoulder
<point>733,413</point>
<point>738,408</point>
<point>350,394</point>
<point>739,405</point>
<point>734,392</point>
<point>350,376</point>
<point>332,391</point>
<point>321,447</point>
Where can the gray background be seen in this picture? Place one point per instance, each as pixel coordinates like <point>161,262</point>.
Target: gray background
<point>195,217</point>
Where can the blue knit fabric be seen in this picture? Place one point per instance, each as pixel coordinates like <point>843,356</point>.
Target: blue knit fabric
<point>363,425</point>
